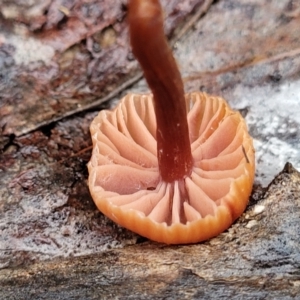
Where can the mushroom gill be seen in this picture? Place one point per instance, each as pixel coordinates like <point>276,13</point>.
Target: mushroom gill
<point>124,176</point>
<point>176,168</point>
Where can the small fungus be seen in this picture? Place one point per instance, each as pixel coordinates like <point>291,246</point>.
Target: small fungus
<point>176,168</point>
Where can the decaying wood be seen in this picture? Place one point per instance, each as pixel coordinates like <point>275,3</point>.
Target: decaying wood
<point>257,258</point>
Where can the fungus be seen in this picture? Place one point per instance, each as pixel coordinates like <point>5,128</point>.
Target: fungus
<point>173,167</point>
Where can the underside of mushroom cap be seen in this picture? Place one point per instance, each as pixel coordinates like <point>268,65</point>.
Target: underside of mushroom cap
<point>124,178</point>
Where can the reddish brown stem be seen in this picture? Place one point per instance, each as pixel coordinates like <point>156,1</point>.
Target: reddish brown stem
<point>150,47</point>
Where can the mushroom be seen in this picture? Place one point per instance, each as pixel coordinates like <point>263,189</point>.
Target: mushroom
<point>173,167</point>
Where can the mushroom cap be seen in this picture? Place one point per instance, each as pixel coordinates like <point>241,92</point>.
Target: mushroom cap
<point>124,178</point>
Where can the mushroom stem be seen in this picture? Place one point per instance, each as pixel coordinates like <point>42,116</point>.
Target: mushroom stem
<point>150,47</point>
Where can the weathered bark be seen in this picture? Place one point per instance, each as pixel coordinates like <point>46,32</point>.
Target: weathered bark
<point>66,56</point>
